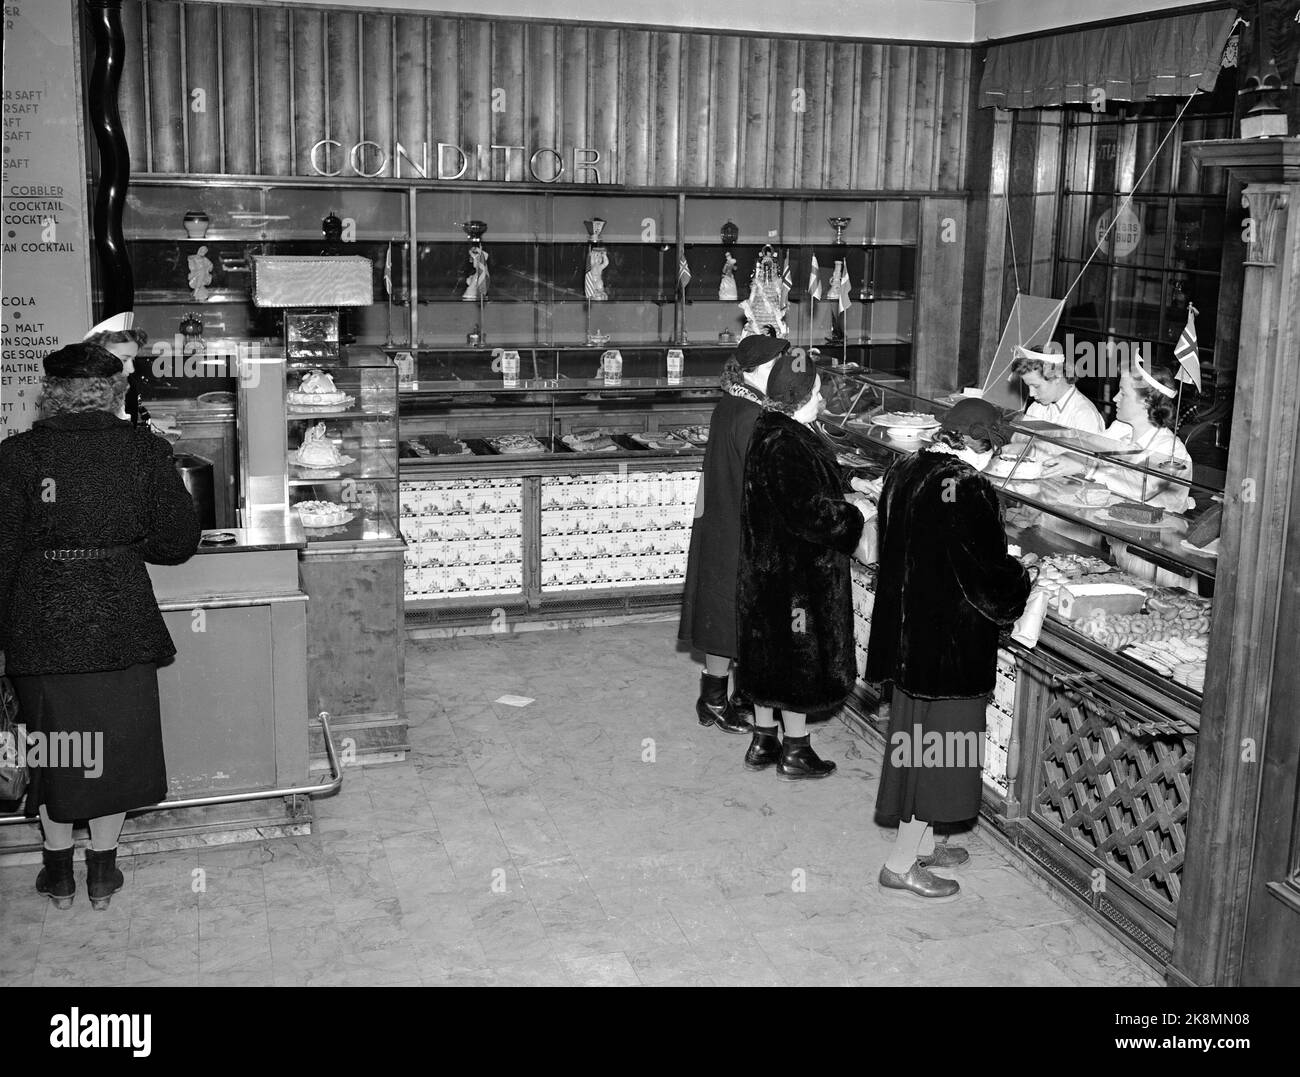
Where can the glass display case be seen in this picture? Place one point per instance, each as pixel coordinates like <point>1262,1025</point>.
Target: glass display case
<point>341,438</point>
<point>1124,543</point>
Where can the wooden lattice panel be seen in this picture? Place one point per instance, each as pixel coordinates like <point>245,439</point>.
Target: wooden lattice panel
<point>1121,800</point>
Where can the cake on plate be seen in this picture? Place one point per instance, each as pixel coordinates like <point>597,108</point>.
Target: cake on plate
<point>316,390</point>
<point>322,513</point>
<point>1010,466</point>
<point>318,451</point>
<point>902,420</point>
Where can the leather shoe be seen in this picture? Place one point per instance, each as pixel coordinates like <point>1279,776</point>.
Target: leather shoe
<point>713,708</point>
<point>945,856</point>
<point>799,762</point>
<point>764,749</point>
<point>918,880</point>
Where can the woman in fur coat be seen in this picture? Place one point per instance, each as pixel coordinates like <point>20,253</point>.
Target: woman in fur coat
<point>793,596</point>
<point>945,589</point>
<point>86,501</point>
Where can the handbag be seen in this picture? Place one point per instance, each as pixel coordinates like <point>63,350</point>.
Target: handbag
<point>13,742</point>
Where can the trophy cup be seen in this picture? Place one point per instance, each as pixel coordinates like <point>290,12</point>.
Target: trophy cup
<point>839,224</point>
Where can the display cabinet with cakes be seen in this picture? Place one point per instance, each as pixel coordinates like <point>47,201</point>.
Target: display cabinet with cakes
<point>340,464</point>
<point>1092,728</point>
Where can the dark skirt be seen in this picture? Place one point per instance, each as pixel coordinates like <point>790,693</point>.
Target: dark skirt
<point>112,719</point>
<point>933,751</point>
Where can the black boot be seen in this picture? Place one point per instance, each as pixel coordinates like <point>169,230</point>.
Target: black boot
<point>798,761</point>
<point>713,708</point>
<point>55,879</point>
<point>764,749</point>
<point>103,879</point>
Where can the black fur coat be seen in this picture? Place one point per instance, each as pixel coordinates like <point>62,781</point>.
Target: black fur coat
<point>793,595</point>
<point>87,480</point>
<point>946,584</point>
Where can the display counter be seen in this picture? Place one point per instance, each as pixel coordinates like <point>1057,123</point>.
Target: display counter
<point>234,701</point>
<point>234,704</point>
<point>1091,734</point>
<point>561,493</point>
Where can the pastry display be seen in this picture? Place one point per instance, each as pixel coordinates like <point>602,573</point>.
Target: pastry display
<point>516,444</point>
<point>657,439</point>
<point>693,435</point>
<point>318,451</point>
<point>427,445</point>
<point>590,441</point>
<point>1136,512</point>
<point>901,420</point>
<point>316,390</point>
<point>1078,601</point>
<point>322,513</point>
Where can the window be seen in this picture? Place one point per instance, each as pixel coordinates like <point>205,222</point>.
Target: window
<point>1167,247</point>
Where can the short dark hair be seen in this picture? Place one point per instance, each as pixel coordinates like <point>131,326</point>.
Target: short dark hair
<point>109,337</point>
<point>61,396</point>
<point>1160,408</point>
<point>1024,364</point>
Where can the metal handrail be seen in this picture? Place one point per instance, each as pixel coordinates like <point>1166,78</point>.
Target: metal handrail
<point>325,789</point>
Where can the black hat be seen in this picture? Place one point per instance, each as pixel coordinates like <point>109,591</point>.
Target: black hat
<point>979,419</point>
<point>82,361</point>
<point>792,379</point>
<point>758,349</point>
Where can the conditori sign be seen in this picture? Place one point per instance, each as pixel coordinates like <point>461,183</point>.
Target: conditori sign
<point>447,161</point>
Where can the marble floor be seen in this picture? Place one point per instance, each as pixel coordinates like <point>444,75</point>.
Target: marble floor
<point>596,836</point>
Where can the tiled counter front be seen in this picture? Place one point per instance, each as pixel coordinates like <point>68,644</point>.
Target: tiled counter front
<point>611,530</point>
<point>547,538</point>
<point>464,537</point>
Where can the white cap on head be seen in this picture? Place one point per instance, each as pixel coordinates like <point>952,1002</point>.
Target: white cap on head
<point>1051,358</point>
<point>118,323</point>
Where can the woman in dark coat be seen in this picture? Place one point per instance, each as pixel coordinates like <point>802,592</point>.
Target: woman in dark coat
<point>708,621</point>
<point>794,596</point>
<point>945,589</point>
<point>85,501</point>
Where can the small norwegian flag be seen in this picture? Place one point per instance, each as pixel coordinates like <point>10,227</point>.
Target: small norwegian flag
<point>683,273</point>
<point>815,280</point>
<point>846,300</point>
<point>1187,353</point>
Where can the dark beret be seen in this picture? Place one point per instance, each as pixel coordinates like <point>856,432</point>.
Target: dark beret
<point>758,349</point>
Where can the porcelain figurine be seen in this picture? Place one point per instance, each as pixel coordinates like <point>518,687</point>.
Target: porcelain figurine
<point>727,287</point>
<point>200,274</point>
<point>476,284</point>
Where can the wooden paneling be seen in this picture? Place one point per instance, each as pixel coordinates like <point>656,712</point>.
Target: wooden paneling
<point>274,92</point>
<point>132,99</point>
<point>309,85</point>
<point>166,88</point>
<point>663,108</point>
<point>238,102</point>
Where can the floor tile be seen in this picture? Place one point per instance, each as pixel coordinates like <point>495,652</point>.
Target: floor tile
<point>536,846</point>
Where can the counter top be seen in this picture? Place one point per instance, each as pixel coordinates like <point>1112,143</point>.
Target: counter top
<point>270,529</point>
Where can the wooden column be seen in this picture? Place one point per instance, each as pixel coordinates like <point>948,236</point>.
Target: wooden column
<point>1249,659</point>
